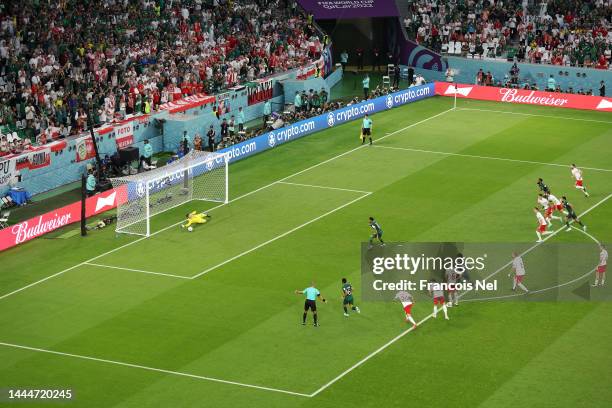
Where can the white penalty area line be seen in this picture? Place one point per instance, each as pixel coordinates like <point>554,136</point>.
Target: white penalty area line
<point>474,156</point>
<point>212,268</point>
<point>536,115</point>
<point>325,187</point>
<point>6,295</point>
<point>135,270</point>
<point>159,370</point>
<point>405,332</point>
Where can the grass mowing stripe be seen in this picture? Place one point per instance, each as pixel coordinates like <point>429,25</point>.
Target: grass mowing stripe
<point>212,268</point>
<point>159,370</point>
<point>218,206</point>
<point>536,115</point>
<point>473,156</point>
<point>399,336</point>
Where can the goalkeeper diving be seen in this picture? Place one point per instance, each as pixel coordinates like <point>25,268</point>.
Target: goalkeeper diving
<point>195,217</point>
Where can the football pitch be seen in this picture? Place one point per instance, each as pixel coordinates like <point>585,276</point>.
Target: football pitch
<point>209,318</point>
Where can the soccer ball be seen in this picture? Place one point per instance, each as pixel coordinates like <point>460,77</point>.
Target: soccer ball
<point>190,229</point>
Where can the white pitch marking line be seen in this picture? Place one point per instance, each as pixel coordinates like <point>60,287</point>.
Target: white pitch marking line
<point>278,237</point>
<point>136,270</point>
<point>536,115</point>
<point>218,206</point>
<point>409,149</point>
<point>159,370</point>
<point>325,187</point>
<point>545,289</point>
<point>402,334</point>
<point>531,292</point>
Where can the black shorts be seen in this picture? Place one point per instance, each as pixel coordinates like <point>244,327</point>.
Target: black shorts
<point>310,304</point>
<point>572,216</point>
<point>367,131</point>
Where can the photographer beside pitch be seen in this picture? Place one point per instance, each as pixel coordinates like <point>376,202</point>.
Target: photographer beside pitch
<point>310,303</point>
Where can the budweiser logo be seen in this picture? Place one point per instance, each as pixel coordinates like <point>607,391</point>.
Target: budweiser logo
<point>25,231</point>
<point>516,96</point>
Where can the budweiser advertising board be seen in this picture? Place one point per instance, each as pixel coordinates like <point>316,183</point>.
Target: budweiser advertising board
<point>511,95</point>
<point>43,224</point>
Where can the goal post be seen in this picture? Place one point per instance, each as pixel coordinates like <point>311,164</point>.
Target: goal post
<point>202,176</point>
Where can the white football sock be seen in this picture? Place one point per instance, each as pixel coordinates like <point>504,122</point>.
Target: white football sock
<point>435,312</point>
<point>520,285</point>
<point>410,319</point>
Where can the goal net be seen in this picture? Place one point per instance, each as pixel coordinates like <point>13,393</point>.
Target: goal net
<point>196,176</point>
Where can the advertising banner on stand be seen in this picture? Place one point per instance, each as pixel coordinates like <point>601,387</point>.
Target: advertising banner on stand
<point>525,96</point>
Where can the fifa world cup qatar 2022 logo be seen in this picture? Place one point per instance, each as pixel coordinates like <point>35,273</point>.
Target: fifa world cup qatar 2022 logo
<point>330,119</point>
<point>271,139</point>
<point>389,101</point>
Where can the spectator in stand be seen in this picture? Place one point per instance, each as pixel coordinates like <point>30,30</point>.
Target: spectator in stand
<point>366,86</point>
<point>4,146</point>
<point>240,121</point>
<point>297,101</point>
<point>396,76</point>
<point>344,59</point>
<point>90,184</point>
<point>267,111</point>
<point>197,142</point>
<point>147,152</point>
<point>72,63</point>
<point>359,53</point>
<point>231,126</point>
<point>211,135</point>
<point>224,130</point>
<point>185,143</point>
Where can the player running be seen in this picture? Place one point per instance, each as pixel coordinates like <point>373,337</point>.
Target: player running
<point>451,279</point>
<point>347,298</point>
<point>519,272</point>
<point>553,204</point>
<point>366,129</point>
<point>571,215</point>
<point>577,173</point>
<point>377,234</point>
<point>542,201</point>
<point>600,274</point>
<point>542,224</point>
<point>407,301</point>
<point>542,186</point>
<point>435,290</point>
<point>195,218</point>
<point>312,294</point>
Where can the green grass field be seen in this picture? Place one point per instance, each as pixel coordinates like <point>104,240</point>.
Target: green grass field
<point>209,318</point>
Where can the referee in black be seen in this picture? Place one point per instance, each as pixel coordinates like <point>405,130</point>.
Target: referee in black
<point>311,294</point>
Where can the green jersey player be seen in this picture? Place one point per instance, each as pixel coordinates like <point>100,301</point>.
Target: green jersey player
<point>347,297</point>
<point>571,215</point>
<point>377,232</point>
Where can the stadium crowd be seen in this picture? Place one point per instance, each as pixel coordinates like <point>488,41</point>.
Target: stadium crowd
<point>560,32</point>
<point>68,64</point>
